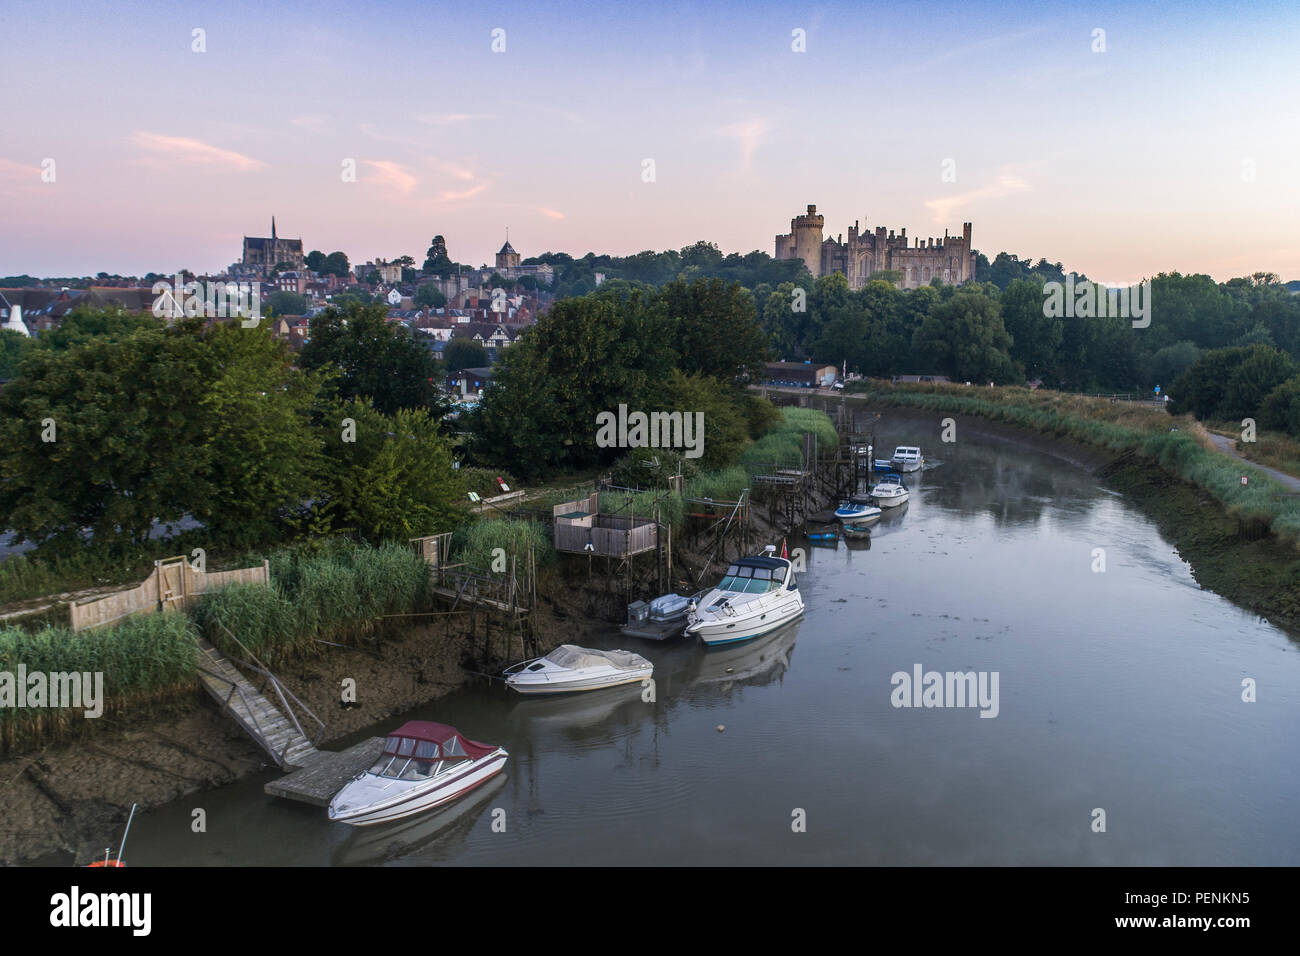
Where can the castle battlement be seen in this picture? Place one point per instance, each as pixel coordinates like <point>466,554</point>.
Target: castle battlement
<point>950,259</point>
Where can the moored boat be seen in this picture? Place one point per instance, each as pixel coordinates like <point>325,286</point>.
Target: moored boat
<point>571,668</point>
<point>857,510</point>
<point>757,595</point>
<point>907,458</point>
<point>423,765</point>
<point>890,492</point>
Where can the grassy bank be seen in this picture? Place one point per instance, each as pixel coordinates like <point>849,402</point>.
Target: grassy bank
<point>1179,446</point>
<point>336,593</point>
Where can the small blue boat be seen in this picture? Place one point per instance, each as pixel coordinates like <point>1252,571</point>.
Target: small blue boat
<point>822,536</point>
<point>857,510</point>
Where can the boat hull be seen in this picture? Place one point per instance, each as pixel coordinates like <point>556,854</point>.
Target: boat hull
<point>421,797</point>
<point>536,688</point>
<point>893,501</point>
<point>746,627</point>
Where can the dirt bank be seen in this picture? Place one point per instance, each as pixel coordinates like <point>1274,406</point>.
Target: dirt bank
<point>66,803</point>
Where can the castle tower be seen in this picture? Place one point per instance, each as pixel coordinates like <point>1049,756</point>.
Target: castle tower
<point>806,231</point>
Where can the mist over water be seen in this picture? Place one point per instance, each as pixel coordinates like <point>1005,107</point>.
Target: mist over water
<point>1118,690</point>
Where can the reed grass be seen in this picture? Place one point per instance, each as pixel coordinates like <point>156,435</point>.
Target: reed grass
<point>476,545</point>
<point>148,663</point>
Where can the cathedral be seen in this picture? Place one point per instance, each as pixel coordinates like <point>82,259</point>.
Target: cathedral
<point>950,258</point>
<point>263,254</point>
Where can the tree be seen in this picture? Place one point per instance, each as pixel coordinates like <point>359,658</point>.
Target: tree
<point>335,264</point>
<point>584,356</point>
<point>1035,335</point>
<point>13,346</point>
<point>1280,409</point>
<point>464,353</point>
<point>82,325</point>
<point>1230,384</point>
<point>430,296</point>
<point>395,479</point>
<point>113,434</point>
<point>717,328</point>
<point>314,260</point>
<point>372,357</point>
<point>286,303</point>
<point>965,338</point>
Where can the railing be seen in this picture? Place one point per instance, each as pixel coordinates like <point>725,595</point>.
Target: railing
<point>280,692</point>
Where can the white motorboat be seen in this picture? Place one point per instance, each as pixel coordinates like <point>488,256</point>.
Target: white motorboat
<point>757,595</point>
<point>572,668</point>
<point>890,492</point>
<point>907,458</point>
<point>857,510</point>
<point>423,765</point>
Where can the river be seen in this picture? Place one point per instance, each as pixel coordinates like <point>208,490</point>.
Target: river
<point>1118,690</point>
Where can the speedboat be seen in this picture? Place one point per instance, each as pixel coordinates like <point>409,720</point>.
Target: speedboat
<point>890,492</point>
<point>907,458</point>
<point>570,668</point>
<point>757,595</point>
<point>857,510</point>
<point>423,765</point>
<point>858,530</point>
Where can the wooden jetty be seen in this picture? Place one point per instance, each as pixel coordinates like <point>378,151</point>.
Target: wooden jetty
<point>318,781</point>
<point>279,732</point>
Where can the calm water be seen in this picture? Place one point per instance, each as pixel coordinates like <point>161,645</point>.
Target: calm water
<point>1118,690</point>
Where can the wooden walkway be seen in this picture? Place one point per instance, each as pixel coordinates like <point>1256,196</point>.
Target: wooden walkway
<point>279,735</point>
<point>318,782</point>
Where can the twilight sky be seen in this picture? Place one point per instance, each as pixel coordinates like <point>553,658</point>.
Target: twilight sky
<point>1178,148</point>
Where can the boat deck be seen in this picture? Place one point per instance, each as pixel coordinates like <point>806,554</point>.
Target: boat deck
<point>325,776</point>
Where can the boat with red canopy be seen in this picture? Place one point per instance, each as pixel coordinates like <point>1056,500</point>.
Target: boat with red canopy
<point>423,765</point>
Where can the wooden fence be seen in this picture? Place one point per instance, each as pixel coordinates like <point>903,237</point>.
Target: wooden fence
<point>174,585</point>
<point>609,535</point>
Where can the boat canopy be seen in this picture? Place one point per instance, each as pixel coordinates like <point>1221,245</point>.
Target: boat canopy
<point>425,740</point>
<point>574,657</point>
<point>759,561</point>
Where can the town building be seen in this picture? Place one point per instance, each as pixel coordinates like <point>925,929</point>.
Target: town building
<point>261,255</point>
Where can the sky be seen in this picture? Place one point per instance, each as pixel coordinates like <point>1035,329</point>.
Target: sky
<point>1168,142</point>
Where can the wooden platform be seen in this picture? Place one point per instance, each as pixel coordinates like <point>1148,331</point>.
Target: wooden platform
<point>264,722</point>
<point>652,631</point>
<point>326,773</point>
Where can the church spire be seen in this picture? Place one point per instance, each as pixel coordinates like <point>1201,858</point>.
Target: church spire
<point>272,228</point>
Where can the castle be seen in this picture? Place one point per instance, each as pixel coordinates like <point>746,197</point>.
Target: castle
<point>261,254</point>
<point>949,258</point>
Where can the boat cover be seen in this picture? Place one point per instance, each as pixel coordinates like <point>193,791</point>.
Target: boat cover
<point>668,606</point>
<point>426,740</point>
<point>573,656</point>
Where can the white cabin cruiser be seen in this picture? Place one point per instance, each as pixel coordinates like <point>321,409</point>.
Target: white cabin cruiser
<point>857,510</point>
<point>423,765</point>
<point>757,595</point>
<point>571,668</point>
<point>907,458</point>
<point>890,492</point>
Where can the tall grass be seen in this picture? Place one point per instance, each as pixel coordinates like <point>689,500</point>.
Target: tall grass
<point>337,594</point>
<point>476,545</point>
<point>147,661</point>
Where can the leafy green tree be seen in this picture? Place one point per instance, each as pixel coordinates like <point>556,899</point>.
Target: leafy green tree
<point>1280,409</point>
<point>261,454</point>
<point>1230,384</point>
<point>726,429</point>
<point>585,356</point>
<point>314,260</point>
<point>394,480</point>
<point>373,357</point>
<point>103,436</point>
<point>335,264</point>
<point>13,346</point>
<point>717,329</point>
<point>286,303</point>
<point>1035,336</point>
<point>82,325</point>
<point>464,353</point>
<point>965,338</point>
<point>429,296</point>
